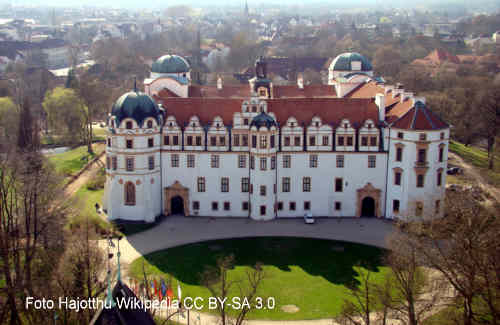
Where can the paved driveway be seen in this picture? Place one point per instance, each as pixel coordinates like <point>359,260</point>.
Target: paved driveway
<point>175,231</point>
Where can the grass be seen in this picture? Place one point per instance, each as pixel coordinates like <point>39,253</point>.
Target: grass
<point>72,161</point>
<point>129,229</point>
<point>309,273</point>
<point>478,158</point>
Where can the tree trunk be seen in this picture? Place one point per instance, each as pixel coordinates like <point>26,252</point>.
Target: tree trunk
<point>89,140</point>
<point>491,152</point>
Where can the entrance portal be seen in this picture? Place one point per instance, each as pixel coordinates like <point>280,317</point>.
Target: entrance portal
<point>368,207</point>
<point>177,205</point>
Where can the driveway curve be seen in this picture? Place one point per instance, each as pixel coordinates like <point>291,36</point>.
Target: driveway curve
<point>177,230</point>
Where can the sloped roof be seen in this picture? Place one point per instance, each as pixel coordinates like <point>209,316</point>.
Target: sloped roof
<point>366,90</point>
<point>419,118</point>
<point>343,62</point>
<point>293,91</point>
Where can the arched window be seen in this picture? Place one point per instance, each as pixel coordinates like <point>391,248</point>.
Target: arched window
<point>150,124</point>
<point>129,193</point>
<point>128,125</point>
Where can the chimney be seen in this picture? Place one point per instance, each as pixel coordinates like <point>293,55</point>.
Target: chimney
<point>219,83</point>
<point>406,95</point>
<point>417,99</point>
<point>388,88</point>
<point>300,81</point>
<point>380,102</point>
<point>397,91</point>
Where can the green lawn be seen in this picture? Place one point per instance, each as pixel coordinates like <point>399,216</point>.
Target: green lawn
<point>309,273</point>
<point>478,158</point>
<point>70,162</point>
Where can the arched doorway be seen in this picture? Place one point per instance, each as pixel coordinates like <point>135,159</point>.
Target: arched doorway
<point>368,207</point>
<point>177,205</point>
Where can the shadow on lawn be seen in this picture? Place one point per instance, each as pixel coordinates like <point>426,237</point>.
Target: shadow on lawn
<point>333,260</point>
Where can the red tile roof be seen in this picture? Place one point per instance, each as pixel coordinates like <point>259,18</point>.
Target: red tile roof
<point>309,91</point>
<point>366,90</point>
<point>330,110</point>
<point>229,91</point>
<point>419,118</point>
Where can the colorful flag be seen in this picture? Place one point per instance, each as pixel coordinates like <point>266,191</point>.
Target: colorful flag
<point>170,295</point>
<point>179,292</point>
<point>163,288</point>
<point>152,289</point>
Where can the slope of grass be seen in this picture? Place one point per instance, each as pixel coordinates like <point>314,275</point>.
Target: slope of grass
<point>311,274</point>
<point>72,161</point>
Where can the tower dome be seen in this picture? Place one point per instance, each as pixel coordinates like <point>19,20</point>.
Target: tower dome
<point>263,119</point>
<point>347,62</point>
<point>170,64</point>
<point>137,106</point>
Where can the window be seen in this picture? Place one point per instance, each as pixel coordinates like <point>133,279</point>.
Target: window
<point>307,205</point>
<point>306,184</point>
<point>109,142</point>
<point>254,109</point>
<point>263,190</point>
<point>245,184</point>
<point>419,209</point>
<point>397,178</point>
<point>313,161</point>
<point>441,135</point>
<point>372,161</point>
<point>254,141</point>
<point>128,125</point>
<point>339,185</point>
<point>296,141</point>
<point>291,206</point>
<point>198,140</point>
<point>439,178</point>
<point>175,140</point>
<point>129,161</point>
<point>166,140</point>
<point>214,161</point>
<point>312,141</point>
<point>273,162</point>
<point>245,206</point>
<point>114,163</point>
<point>150,124</point>
<point>263,142</point>
<point>174,160</point>
<point>129,193</point>
<point>215,206</point>
<point>190,161</point>
<point>236,140</point>
<point>340,161</point>
<point>196,205</point>
<point>244,140</point>
<point>422,136</point>
<point>263,163</point>
<point>325,140</point>
<point>285,184</point>
<point>349,141</point>
<point>262,210</point>
<point>227,206</point>
<point>287,161</point>
<point>189,140</point>
<point>287,141</point>
<point>213,141</point>
<point>108,163</point>
<point>245,121</point>
<point>399,154</point>
<point>151,162</point>
<point>421,155</point>
<point>224,184</point>
<point>338,206</point>
<point>420,180</point>
<point>252,162</point>
<point>242,161</point>
<point>272,141</point>
<point>130,143</point>
<point>441,154</point>
<point>437,206</point>
<point>400,135</point>
<point>151,142</point>
<point>222,141</point>
<point>395,206</point>
<point>340,140</point>
<point>201,184</point>
<point>364,141</point>
<point>373,141</point>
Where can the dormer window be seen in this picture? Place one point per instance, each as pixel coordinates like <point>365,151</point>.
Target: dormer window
<point>245,121</point>
<point>346,125</point>
<point>317,124</point>
<point>150,124</point>
<point>422,137</point>
<point>128,125</point>
<point>130,143</point>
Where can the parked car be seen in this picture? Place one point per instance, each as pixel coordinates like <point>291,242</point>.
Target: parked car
<point>454,171</point>
<point>308,218</point>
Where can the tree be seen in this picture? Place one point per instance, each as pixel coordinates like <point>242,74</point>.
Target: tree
<point>387,61</point>
<point>9,121</point>
<point>220,284</point>
<point>489,108</point>
<point>28,138</point>
<point>66,114</point>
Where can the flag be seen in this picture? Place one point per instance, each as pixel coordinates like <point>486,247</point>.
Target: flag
<point>163,288</point>
<point>170,295</point>
<point>179,292</point>
<point>156,288</point>
<point>152,289</point>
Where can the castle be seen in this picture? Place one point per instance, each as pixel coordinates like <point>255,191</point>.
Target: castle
<point>354,147</point>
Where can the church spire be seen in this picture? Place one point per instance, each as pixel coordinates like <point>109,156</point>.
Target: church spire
<point>246,9</point>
